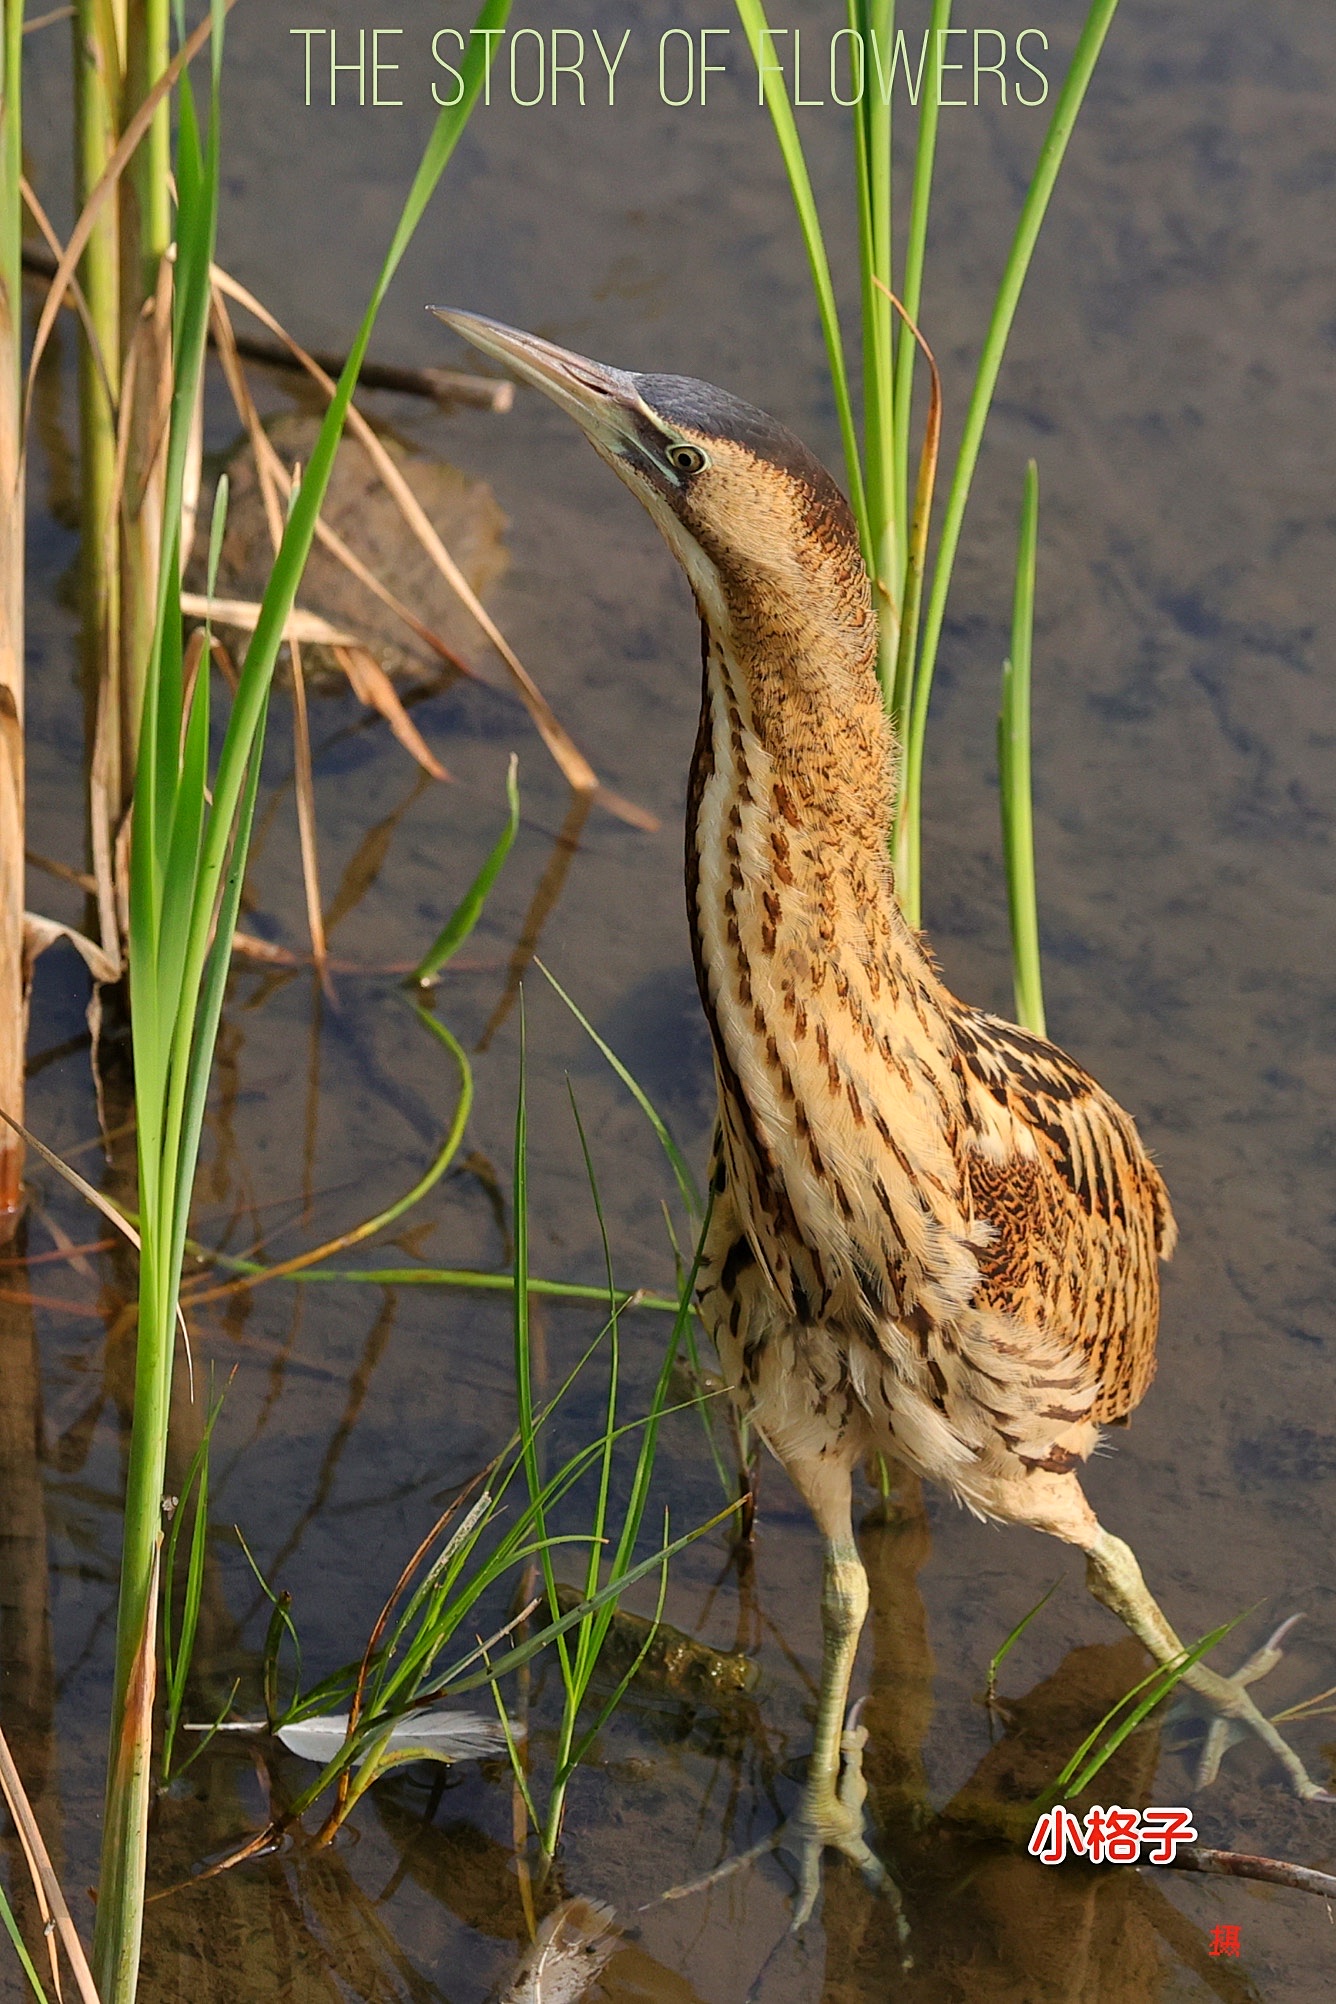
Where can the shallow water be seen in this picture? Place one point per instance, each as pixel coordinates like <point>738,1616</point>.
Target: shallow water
<point>1172,371</point>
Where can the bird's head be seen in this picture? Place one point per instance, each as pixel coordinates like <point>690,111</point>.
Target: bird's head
<point>762,531</point>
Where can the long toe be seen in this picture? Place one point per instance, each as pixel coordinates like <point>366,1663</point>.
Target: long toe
<point>826,1825</point>
<point>1233,1716</point>
<point>832,1818</point>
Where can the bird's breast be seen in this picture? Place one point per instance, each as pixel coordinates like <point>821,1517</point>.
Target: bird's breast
<point>839,1109</point>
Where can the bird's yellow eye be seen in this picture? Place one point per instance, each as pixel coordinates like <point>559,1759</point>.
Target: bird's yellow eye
<point>686,458</point>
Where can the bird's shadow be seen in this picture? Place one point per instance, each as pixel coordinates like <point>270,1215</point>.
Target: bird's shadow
<point>986,1920</point>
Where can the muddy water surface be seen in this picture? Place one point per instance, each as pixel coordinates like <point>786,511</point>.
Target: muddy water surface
<point>1172,370</point>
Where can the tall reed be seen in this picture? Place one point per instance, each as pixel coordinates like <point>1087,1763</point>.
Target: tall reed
<point>878,458</point>
<point>99,38</point>
<point>11,608</point>
<point>145,232</point>
<point>1013,768</point>
<point>190,836</point>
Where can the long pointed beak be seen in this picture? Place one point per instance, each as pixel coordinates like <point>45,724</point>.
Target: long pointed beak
<point>602,400</point>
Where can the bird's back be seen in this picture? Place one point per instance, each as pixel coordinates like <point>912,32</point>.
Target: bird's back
<point>1080,1213</point>
<point>980,1302</point>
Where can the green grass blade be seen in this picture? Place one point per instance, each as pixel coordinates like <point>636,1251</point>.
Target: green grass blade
<point>469,909</point>
<point>516,1759</point>
<point>916,247</point>
<point>177,1653</point>
<point>280,1623</point>
<point>1065,111</point>
<point>658,1405</point>
<point>438,1276</point>
<point>206,1739</point>
<point>623,1685</point>
<point>586,1660</point>
<point>874,21</point>
<point>217,530</point>
<point>1013,764</point>
<point>1170,1677</point>
<point>189,786</point>
<point>685,1181</point>
<point>294,1269</point>
<point>213,991</point>
<point>591,1630</point>
<point>433,1590</point>
<point>1017,1632</point>
<point>523,1333</point>
<point>1078,1773</point>
<point>525,1651</point>
<point>598,1618</point>
<point>21,1949</point>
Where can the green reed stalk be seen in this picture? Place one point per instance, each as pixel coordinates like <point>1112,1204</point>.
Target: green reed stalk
<point>148,221</point>
<point>170,816</point>
<point>187,860</point>
<point>1013,766</point>
<point>1033,210</point>
<point>145,232</point>
<point>759,35</point>
<point>11,608</point>
<point>902,396</point>
<point>99,39</point>
<point>875,20</point>
<point>916,250</point>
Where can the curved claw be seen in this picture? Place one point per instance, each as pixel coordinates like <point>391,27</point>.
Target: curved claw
<point>1264,1660</point>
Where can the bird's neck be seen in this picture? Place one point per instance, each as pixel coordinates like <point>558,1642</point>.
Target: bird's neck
<point>788,821</point>
<point>794,769</point>
<point>818,995</point>
<point>790,656</point>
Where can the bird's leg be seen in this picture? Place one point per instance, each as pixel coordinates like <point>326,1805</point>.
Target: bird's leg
<point>844,1603</point>
<point>832,1806</point>
<point>831,1811</point>
<point>1114,1577</point>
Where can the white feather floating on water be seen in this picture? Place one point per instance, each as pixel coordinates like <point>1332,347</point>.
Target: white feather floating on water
<point>573,1944</point>
<point>447,1736</point>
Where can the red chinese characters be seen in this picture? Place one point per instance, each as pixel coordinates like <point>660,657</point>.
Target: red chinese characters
<point>1113,1836</point>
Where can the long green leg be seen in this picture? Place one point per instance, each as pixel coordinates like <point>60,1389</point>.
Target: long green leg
<point>1114,1577</point>
<point>832,1808</point>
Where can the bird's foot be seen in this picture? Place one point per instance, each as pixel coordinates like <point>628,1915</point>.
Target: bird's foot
<point>831,1818</point>
<point>1232,1715</point>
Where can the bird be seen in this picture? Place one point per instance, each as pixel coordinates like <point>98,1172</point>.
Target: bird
<point>933,1235</point>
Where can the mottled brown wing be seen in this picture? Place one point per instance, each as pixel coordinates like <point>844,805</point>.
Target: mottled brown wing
<point>1081,1221</point>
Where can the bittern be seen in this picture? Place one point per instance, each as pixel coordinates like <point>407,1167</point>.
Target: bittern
<point>934,1236</point>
